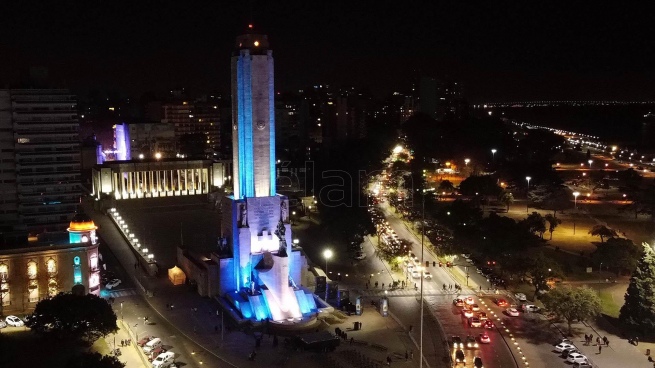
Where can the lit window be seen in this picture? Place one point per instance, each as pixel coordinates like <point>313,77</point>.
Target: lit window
<point>31,270</point>
<point>94,261</point>
<point>5,294</point>
<point>33,288</point>
<point>53,287</point>
<point>4,272</point>
<point>51,265</point>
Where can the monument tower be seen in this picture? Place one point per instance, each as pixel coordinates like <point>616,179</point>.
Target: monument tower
<point>261,277</point>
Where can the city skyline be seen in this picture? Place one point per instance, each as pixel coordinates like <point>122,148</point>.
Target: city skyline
<point>498,52</point>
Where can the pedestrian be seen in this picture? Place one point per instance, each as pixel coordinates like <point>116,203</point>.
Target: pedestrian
<point>605,340</point>
<point>636,340</point>
<point>388,360</point>
<point>411,328</point>
<point>586,339</point>
<point>591,338</point>
<point>480,287</point>
<point>122,342</point>
<point>600,348</point>
<point>376,284</point>
<point>360,325</point>
<point>352,340</point>
<point>383,285</point>
<point>598,340</point>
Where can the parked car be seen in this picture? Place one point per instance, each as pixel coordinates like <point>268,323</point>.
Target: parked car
<point>457,343</point>
<point>475,322</point>
<point>530,308</point>
<point>14,321</point>
<point>155,353</point>
<point>563,346</point>
<point>113,284</point>
<point>471,343</point>
<point>512,312</point>
<point>521,297</point>
<point>458,302</point>
<point>152,345</point>
<point>582,365</point>
<point>576,358</point>
<point>484,338</point>
<point>566,352</point>
<point>3,324</point>
<point>144,340</point>
<point>163,360</point>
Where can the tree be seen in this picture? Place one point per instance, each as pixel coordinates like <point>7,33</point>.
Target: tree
<point>572,304</point>
<point>618,253</point>
<point>535,223</point>
<point>638,310</point>
<point>70,316</point>
<point>506,198</point>
<point>446,186</point>
<point>541,269</point>
<point>552,223</point>
<point>603,231</point>
<point>94,360</point>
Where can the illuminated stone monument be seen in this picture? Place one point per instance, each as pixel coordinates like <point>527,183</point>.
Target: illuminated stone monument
<point>261,277</point>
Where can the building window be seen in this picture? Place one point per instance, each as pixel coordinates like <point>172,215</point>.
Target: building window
<point>77,270</point>
<point>31,270</point>
<point>51,265</point>
<point>53,287</point>
<point>5,295</point>
<point>93,262</point>
<point>33,288</point>
<point>4,272</point>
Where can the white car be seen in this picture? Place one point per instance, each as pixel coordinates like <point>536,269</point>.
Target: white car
<point>359,255</point>
<point>416,274</point>
<point>512,312</point>
<point>14,321</point>
<point>576,358</point>
<point>113,283</point>
<point>530,308</point>
<point>564,346</point>
<point>427,275</point>
<point>521,297</point>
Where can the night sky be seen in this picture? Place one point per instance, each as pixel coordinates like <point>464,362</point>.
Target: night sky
<point>500,51</point>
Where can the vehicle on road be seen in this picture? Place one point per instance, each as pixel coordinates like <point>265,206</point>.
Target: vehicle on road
<point>112,284</point>
<point>484,338</point>
<point>563,346</point>
<point>359,255</point>
<point>469,300</point>
<point>483,316</point>
<point>530,308</point>
<point>467,313</point>
<point>459,357</point>
<point>521,297</point>
<point>14,321</point>
<point>477,362</point>
<point>475,307</point>
<point>427,275</point>
<point>458,302</point>
<point>416,274</point>
<point>488,324</point>
<point>576,358</point>
<point>471,343</point>
<point>501,302</point>
<point>512,312</point>
<point>457,342</point>
<point>475,322</point>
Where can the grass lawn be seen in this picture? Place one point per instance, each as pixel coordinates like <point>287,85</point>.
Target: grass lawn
<point>610,306</point>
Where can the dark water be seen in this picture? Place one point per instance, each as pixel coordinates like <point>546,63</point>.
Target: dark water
<point>616,124</point>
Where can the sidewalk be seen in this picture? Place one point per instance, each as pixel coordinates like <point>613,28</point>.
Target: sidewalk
<point>130,355</point>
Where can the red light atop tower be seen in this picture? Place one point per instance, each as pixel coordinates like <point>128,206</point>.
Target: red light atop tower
<point>250,26</point>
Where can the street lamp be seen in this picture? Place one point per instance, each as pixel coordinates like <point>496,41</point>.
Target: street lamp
<point>121,310</point>
<point>493,153</point>
<point>293,214</point>
<point>466,161</point>
<point>327,254</point>
<point>590,162</point>
<point>575,198</point>
<point>157,155</point>
<point>527,199</point>
<point>528,178</point>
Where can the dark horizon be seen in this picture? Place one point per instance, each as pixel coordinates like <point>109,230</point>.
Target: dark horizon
<point>497,52</point>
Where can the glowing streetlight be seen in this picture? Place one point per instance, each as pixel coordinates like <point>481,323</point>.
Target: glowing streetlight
<point>590,162</point>
<point>141,156</point>
<point>327,254</point>
<point>398,149</point>
<point>493,153</point>
<point>158,155</point>
<point>575,198</point>
<point>528,178</point>
<point>466,161</point>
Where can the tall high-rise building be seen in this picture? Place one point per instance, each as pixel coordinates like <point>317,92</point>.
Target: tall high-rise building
<point>39,161</point>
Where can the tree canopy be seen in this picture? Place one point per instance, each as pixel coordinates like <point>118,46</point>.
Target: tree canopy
<point>618,254</point>
<point>638,311</point>
<point>70,316</point>
<point>94,360</point>
<point>603,231</point>
<point>541,269</point>
<point>572,304</point>
<point>553,222</point>
<point>535,223</point>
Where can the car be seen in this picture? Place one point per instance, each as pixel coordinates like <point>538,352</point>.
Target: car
<point>475,307</point>
<point>488,324</point>
<point>475,322</point>
<point>566,352</point>
<point>359,255</point>
<point>582,365</point>
<point>576,358</point>
<point>155,353</point>
<point>416,274</point>
<point>113,284</point>
<point>561,340</point>
<point>512,312</point>
<point>427,275</point>
<point>521,297</point>
<point>469,300</point>
<point>477,362</point>
<point>471,343</point>
<point>459,357</point>
<point>163,360</point>
<point>467,313</point>
<point>458,302</point>
<point>457,342</point>
<point>484,338</point>
<point>501,302</point>
<point>14,321</point>
<point>563,346</point>
<point>529,308</point>
<point>482,316</point>
<point>3,324</point>
<point>144,340</point>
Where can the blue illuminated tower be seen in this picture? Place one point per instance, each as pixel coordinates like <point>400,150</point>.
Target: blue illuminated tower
<point>253,117</point>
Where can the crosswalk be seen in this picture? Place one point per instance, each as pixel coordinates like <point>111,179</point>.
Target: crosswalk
<point>122,292</point>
